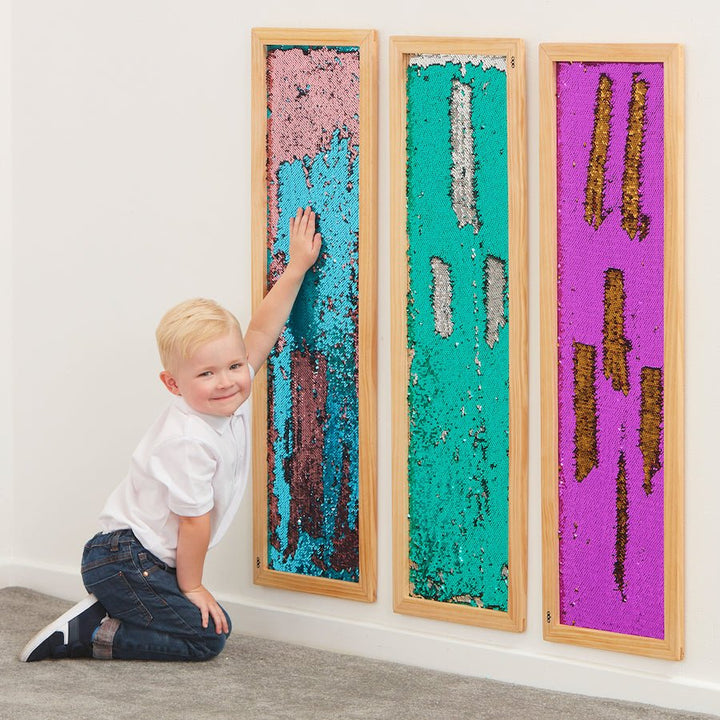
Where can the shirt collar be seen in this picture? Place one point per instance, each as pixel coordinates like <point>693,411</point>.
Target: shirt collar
<point>219,423</point>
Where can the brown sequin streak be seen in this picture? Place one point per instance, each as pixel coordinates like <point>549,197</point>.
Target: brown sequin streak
<point>615,345</point>
<point>346,548</point>
<point>651,417</point>
<point>273,507</point>
<point>585,405</point>
<point>633,221</point>
<point>304,467</point>
<point>621,526</point>
<point>595,188</point>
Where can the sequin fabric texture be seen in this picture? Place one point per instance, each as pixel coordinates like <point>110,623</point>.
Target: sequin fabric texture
<point>610,345</point>
<point>457,326</point>
<point>313,155</point>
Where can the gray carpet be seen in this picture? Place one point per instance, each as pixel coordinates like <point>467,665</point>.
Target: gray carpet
<point>257,679</point>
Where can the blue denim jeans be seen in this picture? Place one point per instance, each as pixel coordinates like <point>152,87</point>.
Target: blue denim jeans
<point>151,619</point>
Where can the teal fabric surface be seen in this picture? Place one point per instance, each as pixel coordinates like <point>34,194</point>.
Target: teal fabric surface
<point>457,322</point>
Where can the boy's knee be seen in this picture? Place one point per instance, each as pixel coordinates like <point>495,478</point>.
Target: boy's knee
<point>211,646</point>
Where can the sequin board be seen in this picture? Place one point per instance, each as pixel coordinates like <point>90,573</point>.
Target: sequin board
<point>611,347</point>
<point>312,470</point>
<point>458,325</point>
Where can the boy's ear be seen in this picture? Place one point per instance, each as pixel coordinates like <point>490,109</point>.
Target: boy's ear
<point>169,382</point>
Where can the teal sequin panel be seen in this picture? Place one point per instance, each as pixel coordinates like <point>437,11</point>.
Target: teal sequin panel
<point>458,329</point>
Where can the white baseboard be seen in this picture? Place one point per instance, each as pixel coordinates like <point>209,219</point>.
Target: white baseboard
<point>6,570</point>
<point>382,642</point>
<point>60,582</point>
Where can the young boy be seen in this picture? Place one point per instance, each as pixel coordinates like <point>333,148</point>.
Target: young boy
<point>186,479</point>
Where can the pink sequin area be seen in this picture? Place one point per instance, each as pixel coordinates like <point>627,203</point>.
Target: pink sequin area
<point>308,91</point>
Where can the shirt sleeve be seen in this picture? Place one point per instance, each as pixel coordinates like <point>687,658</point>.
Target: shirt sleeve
<point>186,468</point>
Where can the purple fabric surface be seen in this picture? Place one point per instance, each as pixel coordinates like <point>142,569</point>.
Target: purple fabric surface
<point>590,594</point>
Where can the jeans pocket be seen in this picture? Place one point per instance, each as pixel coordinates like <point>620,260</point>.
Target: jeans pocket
<point>120,600</point>
<point>149,564</point>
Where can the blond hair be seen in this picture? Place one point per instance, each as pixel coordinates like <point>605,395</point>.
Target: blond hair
<point>190,324</point>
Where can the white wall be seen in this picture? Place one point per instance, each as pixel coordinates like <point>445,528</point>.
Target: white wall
<point>6,431</point>
<point>131,184</point>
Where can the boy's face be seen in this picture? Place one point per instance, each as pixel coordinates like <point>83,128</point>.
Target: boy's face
<point>215,380</point>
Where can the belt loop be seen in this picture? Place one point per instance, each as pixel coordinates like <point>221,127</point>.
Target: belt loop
<point>114,541</point>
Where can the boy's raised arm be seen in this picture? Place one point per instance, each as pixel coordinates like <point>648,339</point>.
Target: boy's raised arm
<point>272,313</point>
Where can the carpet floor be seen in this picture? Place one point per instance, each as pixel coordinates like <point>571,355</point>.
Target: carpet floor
<point>256,679</point>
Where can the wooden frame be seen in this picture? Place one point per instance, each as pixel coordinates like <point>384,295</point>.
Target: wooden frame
<point>558,616</point>
<point>361,43</point>
<point>458,609</point>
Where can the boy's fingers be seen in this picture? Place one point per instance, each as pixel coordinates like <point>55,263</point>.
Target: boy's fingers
<point>305,218</point>
<point>220,621</point>
<point>310,222</point>
<point>294,221</point>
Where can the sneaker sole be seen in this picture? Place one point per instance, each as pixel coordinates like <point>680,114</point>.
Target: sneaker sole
<point>59,625</point>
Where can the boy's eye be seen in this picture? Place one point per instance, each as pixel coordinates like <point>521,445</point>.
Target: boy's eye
<point>207,373</point>
<point>236,366</point>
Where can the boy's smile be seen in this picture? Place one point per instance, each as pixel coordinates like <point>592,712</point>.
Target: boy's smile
<point>215,379</point>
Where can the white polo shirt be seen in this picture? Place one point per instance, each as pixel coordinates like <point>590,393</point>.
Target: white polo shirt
<point>187,464</point>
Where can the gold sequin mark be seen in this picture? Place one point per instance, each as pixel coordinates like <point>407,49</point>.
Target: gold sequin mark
<point>585,406</point>
<point>621,526</point>
<point>651,412</point>
<point>595,188</point>
<point>615,345</point>
<point>633,221</point>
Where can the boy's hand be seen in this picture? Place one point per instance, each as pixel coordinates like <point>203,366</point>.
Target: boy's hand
<point>209,608</point>
<point>270,316</point>
<point>305,243</point>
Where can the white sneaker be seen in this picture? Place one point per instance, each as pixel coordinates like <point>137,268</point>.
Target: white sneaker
<point>70,636</point>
